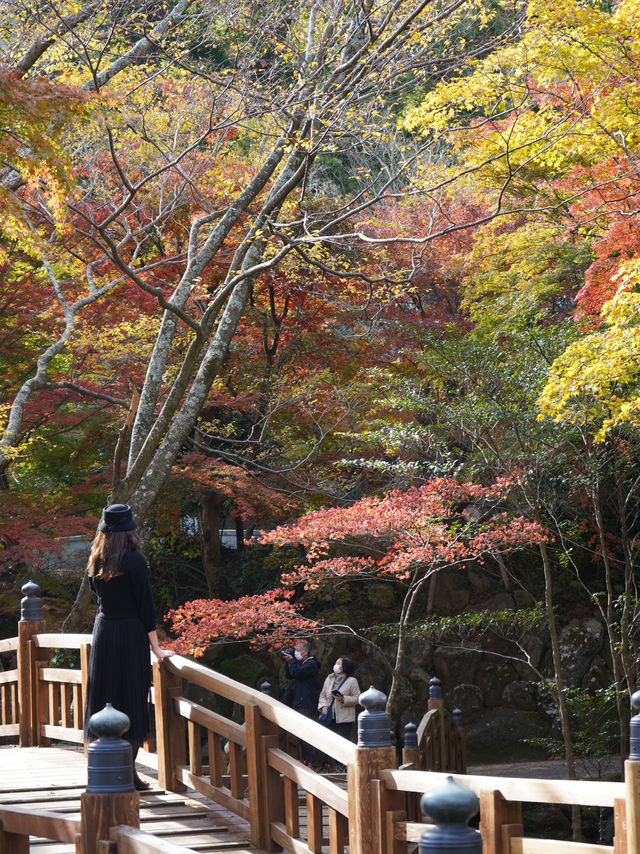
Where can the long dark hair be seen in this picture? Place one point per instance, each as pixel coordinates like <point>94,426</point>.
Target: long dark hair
<point>107,551</point>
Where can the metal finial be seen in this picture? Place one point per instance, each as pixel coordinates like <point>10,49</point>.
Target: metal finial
<point>435,689</point>
<point>31,605</point>
<point>450,807</point>
<point>110,767</point>
<point>456,714</point>
<point>410,736</point>
<point>634,729</point>
<point>373,723</point>
<point>265,687</point>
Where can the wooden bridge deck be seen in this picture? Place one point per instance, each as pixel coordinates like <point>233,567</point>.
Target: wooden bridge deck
<point>53,778</point>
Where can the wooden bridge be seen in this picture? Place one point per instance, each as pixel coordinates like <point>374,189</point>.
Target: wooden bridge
<point>233,782</point>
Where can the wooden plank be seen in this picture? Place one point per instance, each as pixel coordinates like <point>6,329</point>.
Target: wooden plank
<point>60,733</point>
<point>133,841</point>
<point>219,796</point>
<point>48,824</point>
<point>61,641</point>
<point>410,831</point>
<point>8,644</point>
<point>10,729</point>
<point>61,675</point>
<point>210,720</point>
<point>8,676</point>
<point>556,846</point>
<point>281,837</point>
<point>317,785</point>
<point>529,790</point>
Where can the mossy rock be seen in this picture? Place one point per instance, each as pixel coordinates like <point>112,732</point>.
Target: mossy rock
<point>381,596</point>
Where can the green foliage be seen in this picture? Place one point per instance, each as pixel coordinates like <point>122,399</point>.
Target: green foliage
<point>594,723</point>
<point>508,623</point>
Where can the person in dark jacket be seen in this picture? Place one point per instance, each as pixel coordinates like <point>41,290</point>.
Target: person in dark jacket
<point>303,669</point>
<point>124,629</point>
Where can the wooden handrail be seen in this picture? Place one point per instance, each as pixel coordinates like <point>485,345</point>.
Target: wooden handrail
<point>61,641</point>
<point>258,779</point>
<point>588,793</point>
<point>273,710</point>
<point>8,645</point>
<point>48,825</point>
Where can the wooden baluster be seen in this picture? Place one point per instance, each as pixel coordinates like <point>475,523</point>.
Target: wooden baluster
<point>5,705</point>
<point>291,808</point>
<point>216,758</point>
<point>78,716</point>
<point>314,824</point>
<point>195,748</point>
<point>337,832</point>
<point>13,843</point>
<point>236,769</point>
<point>85,655</point>
<point>65,705</point>
<point>42,706</point>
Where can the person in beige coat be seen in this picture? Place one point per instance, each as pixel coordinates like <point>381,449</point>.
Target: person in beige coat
<point>342,687</point>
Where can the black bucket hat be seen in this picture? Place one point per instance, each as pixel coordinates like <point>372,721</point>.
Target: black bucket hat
<point>117,517</point>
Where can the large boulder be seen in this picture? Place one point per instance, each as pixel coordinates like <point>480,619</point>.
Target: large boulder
<point>520,695</point>
<point>580,642</point>
<point>508,730</point>
<point>467,698</point>
<point>456,666</point>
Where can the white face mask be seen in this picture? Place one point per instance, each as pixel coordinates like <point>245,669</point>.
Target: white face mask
<point>337,669</point>
<point>298,655</point>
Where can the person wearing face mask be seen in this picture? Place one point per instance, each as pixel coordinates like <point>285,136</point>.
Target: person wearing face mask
<point>303,669</point>
<point>341,687</point>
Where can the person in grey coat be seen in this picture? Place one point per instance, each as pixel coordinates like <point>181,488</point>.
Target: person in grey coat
<point>341,687</point>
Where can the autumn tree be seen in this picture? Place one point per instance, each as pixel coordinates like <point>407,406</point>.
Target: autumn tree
<point>404,538</point>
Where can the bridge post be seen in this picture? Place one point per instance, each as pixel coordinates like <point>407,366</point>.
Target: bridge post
<point>31,623</point>
<point>170,734</point>
<point>265,788</point>
<point>369,802</point>
<point>632,779</point>
<point>110,798</point>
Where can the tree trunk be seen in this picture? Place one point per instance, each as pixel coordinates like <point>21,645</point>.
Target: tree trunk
<point>212,520</point>
<point>557,669</point>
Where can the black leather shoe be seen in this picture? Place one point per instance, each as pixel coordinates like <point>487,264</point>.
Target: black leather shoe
<point>140,785</point>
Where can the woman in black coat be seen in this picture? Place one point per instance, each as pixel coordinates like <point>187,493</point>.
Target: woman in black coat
<point>124,629</point>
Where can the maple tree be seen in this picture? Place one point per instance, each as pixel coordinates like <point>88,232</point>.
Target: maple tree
<point>403,537</point>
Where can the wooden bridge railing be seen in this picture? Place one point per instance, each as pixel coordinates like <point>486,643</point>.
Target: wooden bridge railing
<point>246,764</point>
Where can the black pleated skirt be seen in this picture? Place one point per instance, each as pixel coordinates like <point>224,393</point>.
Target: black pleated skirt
<point>120,673</point>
